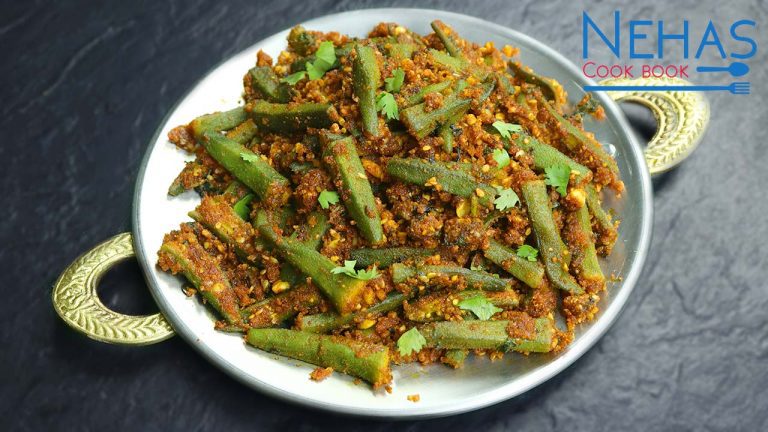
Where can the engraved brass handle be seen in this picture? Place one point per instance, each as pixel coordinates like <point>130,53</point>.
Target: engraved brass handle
<point>77,303</point>
<point>682,119</point>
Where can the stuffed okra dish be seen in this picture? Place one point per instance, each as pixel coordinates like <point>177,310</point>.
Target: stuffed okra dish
<point>399,198</point>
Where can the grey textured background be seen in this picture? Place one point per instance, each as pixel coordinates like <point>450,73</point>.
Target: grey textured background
<point>85,84</point>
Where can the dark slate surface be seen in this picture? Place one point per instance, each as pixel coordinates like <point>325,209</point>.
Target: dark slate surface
<point>84,85</point>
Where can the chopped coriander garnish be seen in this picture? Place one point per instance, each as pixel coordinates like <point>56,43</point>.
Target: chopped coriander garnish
<point>393,83</point>
<point>327,198</point>
<point>292,79</point>
<point>506,128</point>
<point>349,270</point>
<point>325,57</point>
<point>557,177</point>
<point>386,103</point>
<point>480,306</point>
<point>411,341</point>
<point>528,252</point>
<point>507,198</point>
<point>501,157</point>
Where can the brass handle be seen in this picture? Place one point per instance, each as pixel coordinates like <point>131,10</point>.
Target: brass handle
<point>682,119</point>
<point>77,303</point>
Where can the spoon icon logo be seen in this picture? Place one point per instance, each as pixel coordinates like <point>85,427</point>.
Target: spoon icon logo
<point>736,69</point>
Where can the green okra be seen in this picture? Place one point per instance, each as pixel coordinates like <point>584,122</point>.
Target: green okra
<point>546,85</point>
<point>455,64</point>
<point>421,122</point>
<point>290,118</point>
<point>344,292</point>
<point>279,308</point>
<point>301,41</point>
<point>217,215</point>
<point>530,273</point>
<point>603,221</point>
<point>366,79</point>
<point>492,335</point>
<point>314,238</point>
<point>243,133</point>
<point>545,156</point>
<point>364,360</point>
<point>448,176</point>
<point>576,139</point>
<point>551,246</point>
<point>328,321</point>
<point>400,51</point>
<point>217,122</point>
<point>356,190</point>
<point>268,85</point>
<point>475,279</point>
<point>446,130</point>
<point>418,97</point>
<point>454,358</point>
<point>583,248</point>
<point>442,33</point>
<point>204,273</point>
<point>385,257</point>
<point>248,167</point>
<point>438,305</point>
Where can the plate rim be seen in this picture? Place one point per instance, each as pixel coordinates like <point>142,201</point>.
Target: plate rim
<point>597,329</point>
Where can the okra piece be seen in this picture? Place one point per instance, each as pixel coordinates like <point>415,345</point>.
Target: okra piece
<point>400,51</point>
<point>446,130</point>
<point>268,86</point>
<point>530,273</point>
<point>366,78</point>
<point>442,32</point>
<point>421,122</point>
<point>551,246</point>
<point>455,64</point>
<point>279,308</point>
<point>525,334</point>
<point>243,133</point>
<point>548,87</point>
<point>204,273</point>
<point>217,122</point>
<point>576,139</point>
<point>418,97</point>
<point>217,215</point>
<point>249,168</point>
<point>344,292</point>
<point>328,321</point>
<point>440,305</point>
<point>289,118</point>
<point>546,156</point>
<point>385,257</point>
<point>356,190</point>
<point>475,279</point>
<point>367,361</point>
<point>447,176</point>
<point>301,41</point>
<point>583,247</point>
<point>454,358</point>
<point>315,233</point>
<point>603,221</point>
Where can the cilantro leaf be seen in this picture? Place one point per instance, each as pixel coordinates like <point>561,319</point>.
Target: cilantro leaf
<point>506,128</point>
<point>386,103</point>
<point>557,177</point>
<point>250,157</point>
<point>393,83</point>
<point>480,306</point>
<point>349,270</point>
<point>501,157</point>
<point>315,72</point>
<point>411,341</point>
<point>327,198</point>
<point>241,207</point>
<point>507,198</point>
<point>528,252</point>
<point>326,53</point>
<point>292,79</point>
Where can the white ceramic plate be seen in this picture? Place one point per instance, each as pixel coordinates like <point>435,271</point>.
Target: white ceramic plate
<point>442,390</point>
